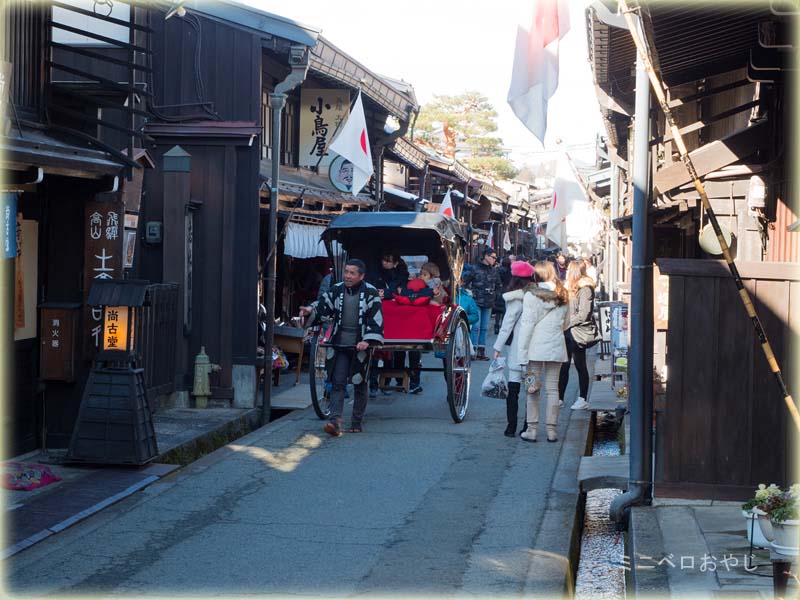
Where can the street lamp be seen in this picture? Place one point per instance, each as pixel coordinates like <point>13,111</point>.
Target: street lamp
<point>115,424</point>
<point>118,332</point>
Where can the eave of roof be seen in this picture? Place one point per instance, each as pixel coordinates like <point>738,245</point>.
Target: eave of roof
<point>37,149</point>
<point>257,21</point>
<point>332,62</point>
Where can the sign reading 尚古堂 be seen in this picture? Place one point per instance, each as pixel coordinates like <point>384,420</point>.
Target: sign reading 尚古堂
<point>115,332</point>
<point>321,112</point>
<point>103,259</point>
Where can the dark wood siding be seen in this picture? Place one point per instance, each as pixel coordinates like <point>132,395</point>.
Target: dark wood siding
<point>228,74</point>
<point>23,35</point>
<point>724,422</point>
<point>224,178</point>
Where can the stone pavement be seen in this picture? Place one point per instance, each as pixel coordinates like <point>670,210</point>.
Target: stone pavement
<point>182,435</point>
<point>706,541</point>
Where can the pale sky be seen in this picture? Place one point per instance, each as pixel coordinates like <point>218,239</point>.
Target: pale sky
<point>451,46</point>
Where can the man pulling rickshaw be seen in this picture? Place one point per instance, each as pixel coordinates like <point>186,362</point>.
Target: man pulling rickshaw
<point>354,308</point>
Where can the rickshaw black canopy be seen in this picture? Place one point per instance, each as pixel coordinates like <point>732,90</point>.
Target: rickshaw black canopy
<point>365,235</point>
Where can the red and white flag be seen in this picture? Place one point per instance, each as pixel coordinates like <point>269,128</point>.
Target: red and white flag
<point>534,78</point>
<point>490,239</point>
<point>568,198</point>
<point>446,208</point>
<point>352,143</point>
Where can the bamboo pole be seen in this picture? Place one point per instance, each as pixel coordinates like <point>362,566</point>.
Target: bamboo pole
<point>659,90</point>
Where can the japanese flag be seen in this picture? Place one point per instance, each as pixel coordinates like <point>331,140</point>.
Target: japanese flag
<point>490,239</point>
<point>446,208</point>
<point>569,199</point>
<point>352,143</point>
<point>534,79</point>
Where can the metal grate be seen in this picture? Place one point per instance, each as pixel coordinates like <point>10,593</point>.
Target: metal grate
<point>80,77</point>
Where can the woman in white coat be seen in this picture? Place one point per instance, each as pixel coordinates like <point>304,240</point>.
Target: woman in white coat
<point>541,345</point>
<point>521,275</point>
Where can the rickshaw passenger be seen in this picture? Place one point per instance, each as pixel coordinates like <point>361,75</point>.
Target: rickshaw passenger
<point>355,308</point>
<point>390,276</point>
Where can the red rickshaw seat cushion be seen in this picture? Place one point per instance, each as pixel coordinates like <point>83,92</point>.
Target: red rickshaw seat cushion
<point>408,322</point>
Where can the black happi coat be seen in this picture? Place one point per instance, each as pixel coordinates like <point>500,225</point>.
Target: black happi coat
<point>370,321</point>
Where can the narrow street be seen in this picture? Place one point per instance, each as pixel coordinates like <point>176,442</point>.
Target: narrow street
<point>414,505</point>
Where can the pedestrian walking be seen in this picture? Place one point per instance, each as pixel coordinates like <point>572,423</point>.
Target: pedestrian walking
<point>521,277</point>
<point>591,270</point>
<point>355,308</point>
<point>545,308</point>
<point>561,266</point>
<point>581,308</point>
<point>499,309</point>
<point>484,281</point>
<point>464,300</point>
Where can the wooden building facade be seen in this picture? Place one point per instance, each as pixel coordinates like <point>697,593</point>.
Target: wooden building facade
<point>71,172</point>
<point>726,71</point>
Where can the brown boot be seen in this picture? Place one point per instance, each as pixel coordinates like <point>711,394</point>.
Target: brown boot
<point>532,418</point>
<point>481,355</point>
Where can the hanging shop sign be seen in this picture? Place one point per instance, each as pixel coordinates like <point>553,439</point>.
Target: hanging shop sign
<point>8,235</point>
<point>321,112</point>
<point>103,243</point>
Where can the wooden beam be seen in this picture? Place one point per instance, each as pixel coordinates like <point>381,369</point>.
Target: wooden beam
<point>697,125</point>
<point>713,156</point>
<point>714,189</point>
<point>709,92</point>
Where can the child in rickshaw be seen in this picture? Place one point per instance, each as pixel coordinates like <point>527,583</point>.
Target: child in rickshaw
<point>430,274</point>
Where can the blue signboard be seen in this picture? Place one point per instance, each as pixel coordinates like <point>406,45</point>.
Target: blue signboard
<point>8,235</point>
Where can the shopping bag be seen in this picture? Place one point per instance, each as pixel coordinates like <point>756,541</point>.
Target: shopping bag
<point>495,384</point>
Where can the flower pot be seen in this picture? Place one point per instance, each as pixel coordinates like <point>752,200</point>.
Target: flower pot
<point>786,537</point>
<point>754,534</point>
<point>764,524</point>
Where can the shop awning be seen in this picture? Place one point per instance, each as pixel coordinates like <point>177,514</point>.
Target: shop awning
<point>411,199</point>
<point>303,241</point>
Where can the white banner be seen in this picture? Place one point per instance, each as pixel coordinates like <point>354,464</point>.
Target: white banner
<point>321,111</point>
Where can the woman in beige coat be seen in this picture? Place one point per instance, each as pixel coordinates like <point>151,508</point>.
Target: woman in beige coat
<point>541,345</point>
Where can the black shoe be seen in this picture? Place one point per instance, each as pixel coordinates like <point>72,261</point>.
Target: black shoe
<point>415,389</point>
<point>373,393</point>
<point>511,431</point>
<point>386,392</point>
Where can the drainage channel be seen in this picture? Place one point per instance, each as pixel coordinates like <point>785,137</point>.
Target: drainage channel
<point>599,572</point>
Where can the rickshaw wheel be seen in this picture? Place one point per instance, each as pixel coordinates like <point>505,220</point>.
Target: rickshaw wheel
<point>318,378</point>
<point>457,370</point>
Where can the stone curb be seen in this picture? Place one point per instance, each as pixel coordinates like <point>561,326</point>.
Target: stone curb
<point>192,450</point>
<point>552,570</point>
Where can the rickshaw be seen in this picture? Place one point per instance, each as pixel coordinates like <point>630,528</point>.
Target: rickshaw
<point>431,328</point>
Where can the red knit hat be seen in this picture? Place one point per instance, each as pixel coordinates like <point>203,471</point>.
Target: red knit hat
<point>520,268</point>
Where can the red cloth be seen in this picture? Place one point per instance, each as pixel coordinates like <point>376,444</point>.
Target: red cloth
<point>409,322</point>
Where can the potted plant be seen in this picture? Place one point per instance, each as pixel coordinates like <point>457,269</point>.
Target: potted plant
<point>759,506</point>
<point>785,520</point>
<point>754,533</point>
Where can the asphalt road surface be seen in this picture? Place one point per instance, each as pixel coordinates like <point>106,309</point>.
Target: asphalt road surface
<point>414,505</point>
